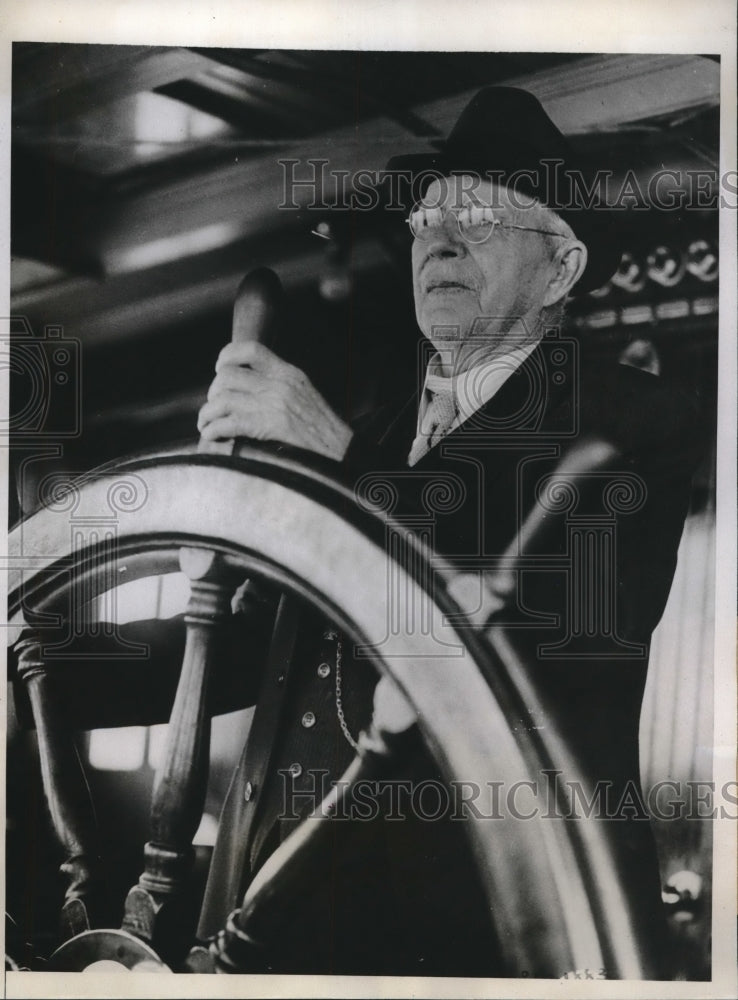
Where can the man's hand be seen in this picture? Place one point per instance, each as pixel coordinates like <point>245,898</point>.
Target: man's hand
<point>257,395</point>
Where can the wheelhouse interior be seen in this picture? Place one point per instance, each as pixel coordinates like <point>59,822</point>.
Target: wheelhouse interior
<point>146,181</point>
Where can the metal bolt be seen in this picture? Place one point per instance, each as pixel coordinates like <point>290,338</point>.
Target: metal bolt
<point>308,720</point>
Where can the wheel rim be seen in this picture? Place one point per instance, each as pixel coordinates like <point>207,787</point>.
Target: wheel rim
<point>304,529</point>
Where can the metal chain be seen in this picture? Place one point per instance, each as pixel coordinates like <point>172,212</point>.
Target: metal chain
<point>339,703</point>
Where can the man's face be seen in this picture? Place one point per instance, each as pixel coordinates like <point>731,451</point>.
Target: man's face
<point>480,299</point>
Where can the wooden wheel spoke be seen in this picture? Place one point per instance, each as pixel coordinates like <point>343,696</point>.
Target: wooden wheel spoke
<point>151,908</point>
<point>298,865</point>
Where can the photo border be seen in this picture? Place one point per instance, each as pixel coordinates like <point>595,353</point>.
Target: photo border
<point>637,26</point>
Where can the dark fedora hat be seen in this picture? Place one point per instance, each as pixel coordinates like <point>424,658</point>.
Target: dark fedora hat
<point>504,135</point>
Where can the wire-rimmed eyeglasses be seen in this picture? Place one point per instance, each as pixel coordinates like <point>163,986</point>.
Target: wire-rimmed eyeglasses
<point>475,223</point>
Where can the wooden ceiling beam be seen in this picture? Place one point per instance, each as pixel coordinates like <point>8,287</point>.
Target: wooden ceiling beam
<point>55,82</point>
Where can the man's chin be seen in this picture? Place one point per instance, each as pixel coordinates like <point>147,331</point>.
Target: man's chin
<point>444,324</point>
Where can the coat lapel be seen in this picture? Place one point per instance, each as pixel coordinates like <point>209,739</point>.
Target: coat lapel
<point>529,405</point>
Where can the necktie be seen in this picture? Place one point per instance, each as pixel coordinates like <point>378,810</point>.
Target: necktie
<point>439,413</point>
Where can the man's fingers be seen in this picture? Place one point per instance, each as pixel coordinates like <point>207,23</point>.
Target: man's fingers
<point>230,404</point>
<point>232,378</point>
<point>258,395</point>
<point>222,404</point>
<point>250,353</point>
<point>221,429</point>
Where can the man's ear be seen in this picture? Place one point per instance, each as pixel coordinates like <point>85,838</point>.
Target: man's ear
<point>568,267</point>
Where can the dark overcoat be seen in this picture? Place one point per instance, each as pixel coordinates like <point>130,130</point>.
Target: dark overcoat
<point>402,897</point>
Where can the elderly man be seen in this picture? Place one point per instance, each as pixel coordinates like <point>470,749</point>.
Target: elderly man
<point>495,255</point>
<point>478,300</point>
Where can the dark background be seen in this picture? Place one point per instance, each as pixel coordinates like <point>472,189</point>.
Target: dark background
<point>146,182</point>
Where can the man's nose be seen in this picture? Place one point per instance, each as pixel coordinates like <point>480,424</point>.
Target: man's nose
<point>447,241</point>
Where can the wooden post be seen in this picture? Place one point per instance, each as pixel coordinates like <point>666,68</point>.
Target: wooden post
<point>67,793</point>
